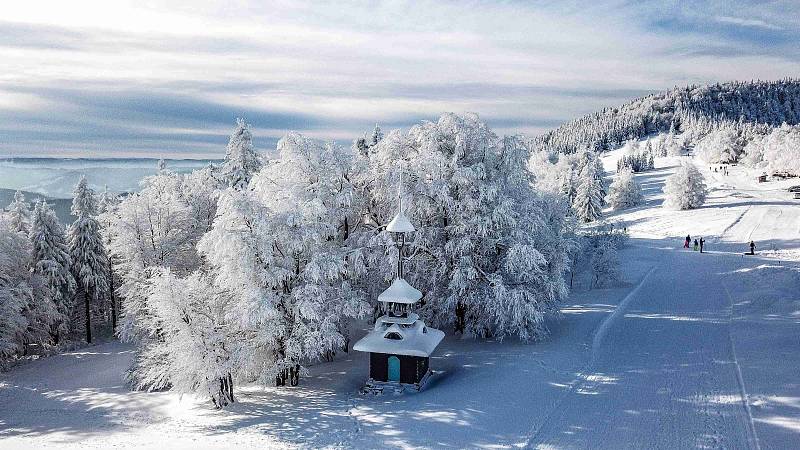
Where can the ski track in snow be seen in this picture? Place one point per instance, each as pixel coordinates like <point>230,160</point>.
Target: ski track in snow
<point>751,427</point>
<point>597,340</point>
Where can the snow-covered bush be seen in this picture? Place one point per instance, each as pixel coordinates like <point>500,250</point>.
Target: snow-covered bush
<point>624,191</point>
<point>490,251</point>
<point>685,189</point>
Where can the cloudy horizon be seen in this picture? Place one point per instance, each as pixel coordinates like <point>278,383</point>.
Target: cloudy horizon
<point>119,79</point>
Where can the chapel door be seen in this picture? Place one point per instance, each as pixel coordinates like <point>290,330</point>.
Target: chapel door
<point>394,368</point>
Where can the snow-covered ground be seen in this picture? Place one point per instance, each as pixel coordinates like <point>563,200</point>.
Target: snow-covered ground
<point>692,351</point>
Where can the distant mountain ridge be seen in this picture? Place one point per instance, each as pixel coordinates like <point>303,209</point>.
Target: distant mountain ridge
<point>760,102</point>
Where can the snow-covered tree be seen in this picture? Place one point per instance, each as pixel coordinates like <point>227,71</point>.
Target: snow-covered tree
<point>624,191</point>
<point>273,289</point>
<point>107,215</point>
<point>241,159</point>
<point>15,293</point>
<point>19,214</point>
<point>87,252</point>
<point>692,111</point>
<point>51,260</point>
<point>588,202</point>
<point>198,340</point>
<point>282,250</point>
<point>490,252</point>
<point>26,311</point>
<point>781,149</point>
<point>377,135</point>
<point>685,189</point>
<point>159,226</point>
<point>723,145</point>
<point>605,264</point>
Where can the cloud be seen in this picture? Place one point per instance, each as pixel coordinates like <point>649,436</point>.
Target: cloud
<point>746,22</point>
<point>121,78</point>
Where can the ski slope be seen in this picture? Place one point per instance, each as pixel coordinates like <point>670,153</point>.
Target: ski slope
<point>692,351</point>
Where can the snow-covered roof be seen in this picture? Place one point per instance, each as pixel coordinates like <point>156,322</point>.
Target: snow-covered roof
<point>400,224</point>
<point>417,339</point>
<point>400,292</point>
<point>411,318</point>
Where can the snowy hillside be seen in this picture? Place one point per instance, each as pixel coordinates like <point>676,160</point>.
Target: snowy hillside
<point>691,351</point>
<point>756,102</point>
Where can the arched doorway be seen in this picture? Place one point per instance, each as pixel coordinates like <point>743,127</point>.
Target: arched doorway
<point>394,368</point>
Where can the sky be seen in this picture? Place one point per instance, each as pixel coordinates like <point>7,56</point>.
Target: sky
<point>169,78</point>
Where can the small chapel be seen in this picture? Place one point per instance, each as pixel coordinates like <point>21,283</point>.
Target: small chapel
<point>400,344</point>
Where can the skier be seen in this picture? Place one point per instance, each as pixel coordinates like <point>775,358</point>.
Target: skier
<point>702,243</point>
<point>686,242</point>
<point>752,248</point>
<point>695,245</point>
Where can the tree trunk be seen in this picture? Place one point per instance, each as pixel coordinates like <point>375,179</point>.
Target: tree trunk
<point>87,296</point>
<point>113,300</point>
<point>224,397</point>
<point>461,312</point>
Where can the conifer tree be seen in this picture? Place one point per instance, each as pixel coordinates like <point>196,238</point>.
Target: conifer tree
<point>377,135</point>
<point>241,159</point>
<point>89,258</point>
<point>20,214</point>
<point>52,261</point>
<point>588,202</point>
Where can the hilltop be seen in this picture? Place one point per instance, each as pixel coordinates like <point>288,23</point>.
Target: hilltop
<point>766,103</point>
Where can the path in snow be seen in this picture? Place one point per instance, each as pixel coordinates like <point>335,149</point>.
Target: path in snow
<point>665,374</point>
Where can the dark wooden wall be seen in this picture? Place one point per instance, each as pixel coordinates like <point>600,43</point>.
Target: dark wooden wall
<point>412,368</point>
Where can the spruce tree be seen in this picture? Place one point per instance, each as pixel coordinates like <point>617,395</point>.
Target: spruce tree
<point>377,135</point>
<point>241,159</point>
<point>89,258</point>
<point>52,261</point>
<point>588,202</point>
<point>20,214</point>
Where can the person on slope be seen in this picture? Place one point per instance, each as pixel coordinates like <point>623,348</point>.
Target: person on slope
<point>686,242</point>
<point>702,243</point>
<point>695,245</point>
<point>752,248</point>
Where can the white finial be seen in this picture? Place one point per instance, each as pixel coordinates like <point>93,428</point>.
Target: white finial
<point>400,187</point>
<point>400,223</point>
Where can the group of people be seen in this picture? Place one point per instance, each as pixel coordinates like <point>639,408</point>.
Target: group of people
<point>697,244</point>
<point>723,169</point>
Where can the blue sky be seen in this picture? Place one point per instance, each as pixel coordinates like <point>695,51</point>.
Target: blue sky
<point>168,78</point>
